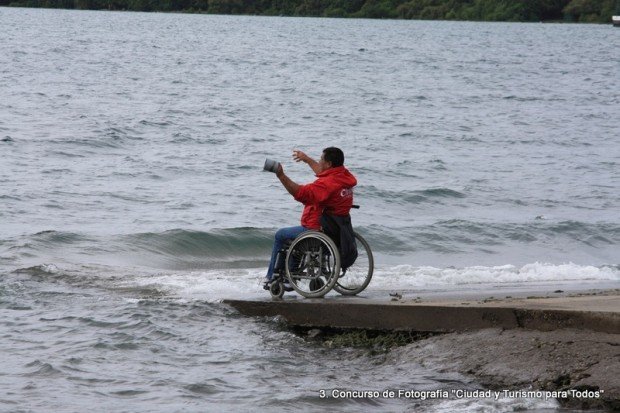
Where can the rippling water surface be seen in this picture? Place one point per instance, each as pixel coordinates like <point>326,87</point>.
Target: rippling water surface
<point>131,197</point>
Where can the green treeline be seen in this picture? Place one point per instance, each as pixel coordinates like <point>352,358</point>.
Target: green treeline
<point>483,10</point>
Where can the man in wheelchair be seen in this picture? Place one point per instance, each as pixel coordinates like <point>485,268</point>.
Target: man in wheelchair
<point>330,194</point>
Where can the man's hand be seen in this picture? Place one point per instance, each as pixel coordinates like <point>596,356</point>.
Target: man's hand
<point>280,171</point>
<point>299,156</point>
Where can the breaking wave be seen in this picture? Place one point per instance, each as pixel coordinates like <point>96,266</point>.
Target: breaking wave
<point>249,247</point>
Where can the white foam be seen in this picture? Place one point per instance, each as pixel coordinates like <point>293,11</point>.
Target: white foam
<point>491,405</point>
<point>215,285</point>
<point>408,276</point>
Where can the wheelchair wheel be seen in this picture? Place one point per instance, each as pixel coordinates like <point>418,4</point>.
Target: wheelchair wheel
<point>357,277</point>
<point>312,264</point>
<point>276,289</point>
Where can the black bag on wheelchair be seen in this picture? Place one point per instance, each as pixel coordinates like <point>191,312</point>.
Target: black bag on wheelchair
<point>340,230</point>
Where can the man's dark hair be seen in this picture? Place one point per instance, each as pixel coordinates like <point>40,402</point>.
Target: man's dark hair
<point>334,156</point>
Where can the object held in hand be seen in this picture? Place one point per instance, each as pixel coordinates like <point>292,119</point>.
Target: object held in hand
<point>271,166</point>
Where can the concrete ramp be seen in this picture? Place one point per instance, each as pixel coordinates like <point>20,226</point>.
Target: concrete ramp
<point>600,312</point>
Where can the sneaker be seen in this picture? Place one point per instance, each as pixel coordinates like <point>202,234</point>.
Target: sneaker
<point>266,283</point>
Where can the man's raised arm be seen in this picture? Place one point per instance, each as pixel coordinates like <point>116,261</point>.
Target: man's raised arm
<point>287,182</point>
<point>299,156</point>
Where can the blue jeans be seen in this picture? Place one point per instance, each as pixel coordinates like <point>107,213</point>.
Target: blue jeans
<point>283,235</point>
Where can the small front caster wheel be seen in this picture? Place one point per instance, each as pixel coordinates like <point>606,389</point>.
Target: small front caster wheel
<point>276,289</point>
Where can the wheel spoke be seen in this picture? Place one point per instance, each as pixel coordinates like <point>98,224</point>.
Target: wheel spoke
<point>314,251</point>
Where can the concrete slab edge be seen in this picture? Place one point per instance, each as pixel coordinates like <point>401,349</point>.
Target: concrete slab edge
<point>428,318</point>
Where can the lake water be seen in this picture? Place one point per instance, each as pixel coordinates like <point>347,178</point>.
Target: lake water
<point>132,199</point>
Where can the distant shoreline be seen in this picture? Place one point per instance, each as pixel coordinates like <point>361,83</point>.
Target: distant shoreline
<point>557,11</point>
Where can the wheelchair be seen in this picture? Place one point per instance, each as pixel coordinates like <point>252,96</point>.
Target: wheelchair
<point>312,265</point>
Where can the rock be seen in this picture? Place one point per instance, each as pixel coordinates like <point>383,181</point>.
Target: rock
<point>314,333</point>
<point>516,359</point>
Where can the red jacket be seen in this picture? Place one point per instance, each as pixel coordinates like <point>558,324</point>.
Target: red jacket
<point>331,192</point>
